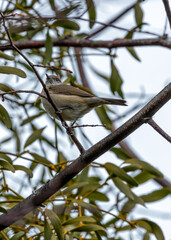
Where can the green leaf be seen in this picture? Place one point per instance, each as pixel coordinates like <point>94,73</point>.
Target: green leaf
<point>144,176</point>
<point>116,171</point>
<point>145,166</point>
<point>48,47</point>
<point>151,227</point>
<point>12,70</point>
<point>65,23</point>
<point>127,191</point>
<point>6,88</point>
<point>103,116</point>
<point>128,206</point>
<point>133,53</point>
<point>89,228</point>
<point>90,207</point>
<point>156,195</point>
<point>6,165</point>
<point>120,153</point>
<point>5,56</point>
<point>55,221</point>
<point>98,196</point>
<point>138,13</point>
<point>74,186</point>
<point>3,210</point>
<point>115,80</point>
<point>18,235</point>
<point>146,236</point>
<point>5,118</point>
<point>77,220</point>
<point>34,136</point>
<point>7,158</point>
<point>91,12</point>
<point>47,231</point>
<point>123,187</point>
<point>41,159</point>
<point>23,168</point>
<point>30,119</point>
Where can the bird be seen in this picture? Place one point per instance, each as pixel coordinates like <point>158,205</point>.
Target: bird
<point>73,103</point>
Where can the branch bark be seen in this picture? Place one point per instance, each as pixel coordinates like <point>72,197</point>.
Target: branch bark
<point>43,193</point>
<point>92,44</point>
<point>168,12</point>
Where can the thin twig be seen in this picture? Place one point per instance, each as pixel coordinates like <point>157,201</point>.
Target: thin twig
<point>23,91</point>
<point>52,67</point>
<point>153,124</point>
<point>68,129</point>
<point>116,18</point>
<point>168,12</point>
<point>50,18</point>
<point>91,125</point>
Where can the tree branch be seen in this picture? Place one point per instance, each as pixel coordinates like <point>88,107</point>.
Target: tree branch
<point>91,44</point>
<point>154,125</point>
<point>43,193</point>
<point>168,12</point>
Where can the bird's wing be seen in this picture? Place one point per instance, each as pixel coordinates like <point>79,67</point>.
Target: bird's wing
<point>67,89</point>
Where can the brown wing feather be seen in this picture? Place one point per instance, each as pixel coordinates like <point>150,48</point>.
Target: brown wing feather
<point>67,89</point>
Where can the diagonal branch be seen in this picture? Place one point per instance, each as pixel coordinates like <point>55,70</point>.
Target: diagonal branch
<point>43,193</point>
<point>168,12</point>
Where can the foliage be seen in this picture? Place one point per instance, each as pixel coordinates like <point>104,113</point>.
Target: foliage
<point>92,205</point>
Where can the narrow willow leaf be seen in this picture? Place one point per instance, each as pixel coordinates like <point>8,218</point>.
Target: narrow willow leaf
<point>115,80</point>
<point>56,223</point>
<point>146,166</point>
<point>146,236</point>
<point>104,118</point>
<point>144,176</point>
<point>98,196</point>
<point>34,136</point>
<point>12,70</point>
<point>47,230</point>
<point>90,207</point>
<point>5,118</point>
<point>30,119</point>
<point>138,13</point>
<point>6,88</point>
<point>116,171</point>
<point>6,165</point>
<point>3,210</point>
<point>48,47</point>
<point>91,12</point>
<point>123,187</point>
<point>133,53</point>
<point>151,227</point>
<point>120,153</point>
<point>5,56</point>
<point>156,195</point>
<point>128,206</point>
<point>23,168</point>
<point>89,228</point>
<point>41,159</point>
<point>74,186</point>
<point>65,23</point>
<point>18,235</point>
<point>77,220</point>
<point>5,157</point>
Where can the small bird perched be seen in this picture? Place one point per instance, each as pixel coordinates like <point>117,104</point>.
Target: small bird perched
<point>73,103</point>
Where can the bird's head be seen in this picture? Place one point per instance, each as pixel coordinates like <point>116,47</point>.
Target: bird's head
<point>52,79</point>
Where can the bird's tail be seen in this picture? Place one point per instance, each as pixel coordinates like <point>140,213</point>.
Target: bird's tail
<point>115,101</point>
